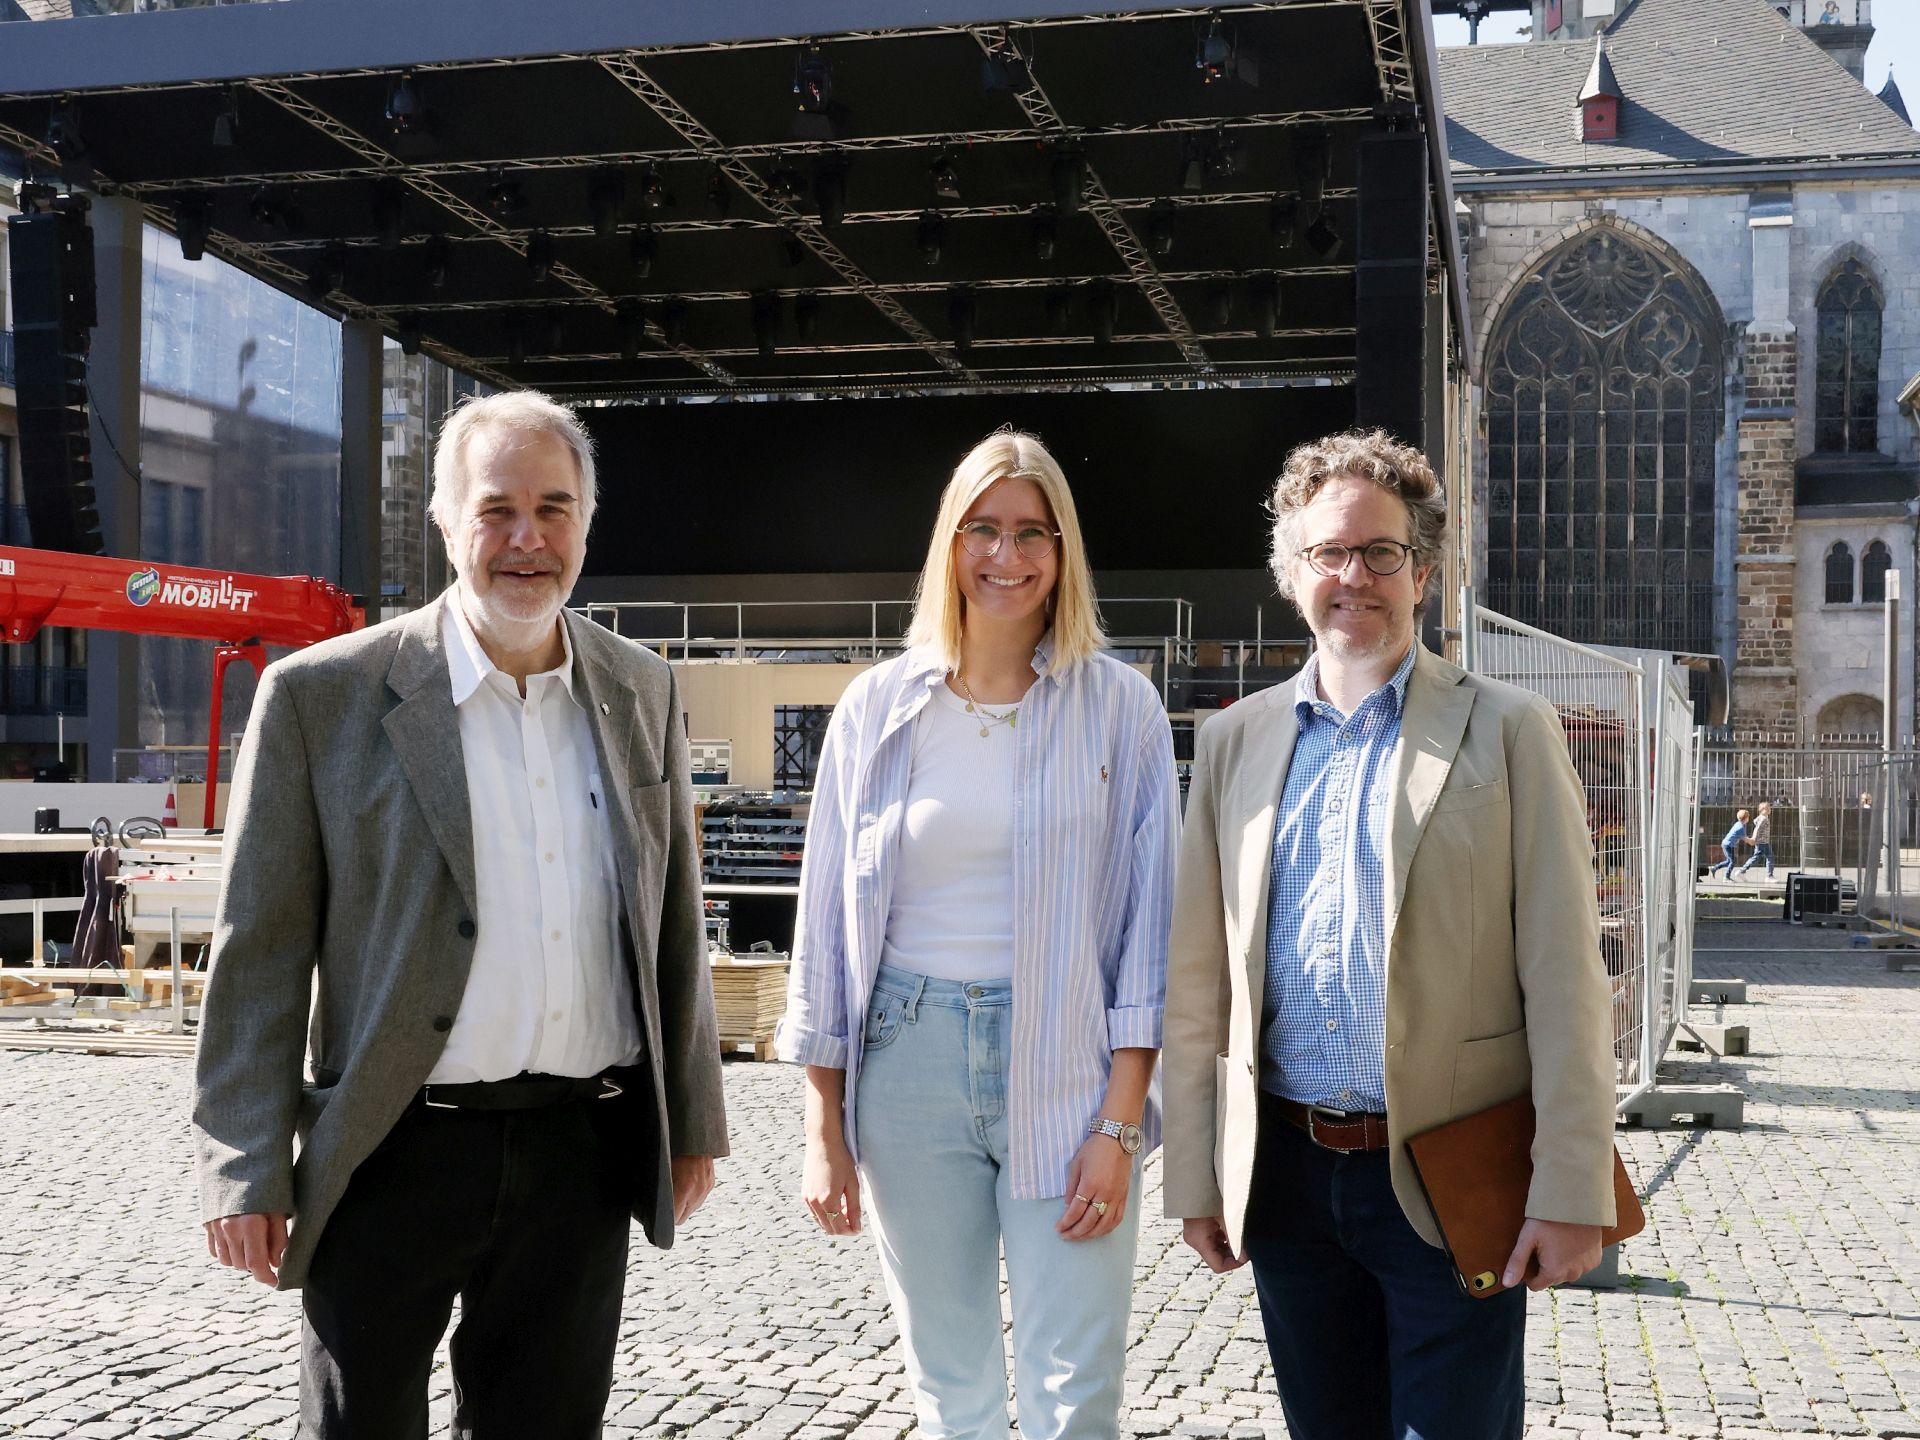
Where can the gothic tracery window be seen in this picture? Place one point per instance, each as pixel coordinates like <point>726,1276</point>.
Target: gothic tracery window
<point>1875,561</point>
<point>1604,405</point>
<point>1840,574</point>
<point>1847,363</point>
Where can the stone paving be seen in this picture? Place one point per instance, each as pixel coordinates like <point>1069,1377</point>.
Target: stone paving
<point>1774,1293</point>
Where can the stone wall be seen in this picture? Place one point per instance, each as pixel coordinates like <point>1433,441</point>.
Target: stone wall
<point>1765,686</point>
<point>1840,648</point>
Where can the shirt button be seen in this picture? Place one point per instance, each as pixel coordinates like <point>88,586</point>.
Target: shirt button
<point>539,782</point>
<point>549,857</point>
<point>556,934</point>
<point>1333,1024</point>
<point>555,1016</point>
<point>443,1023</point>
<point>466,929</point>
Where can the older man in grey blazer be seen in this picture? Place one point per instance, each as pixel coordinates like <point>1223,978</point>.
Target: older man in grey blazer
<point>1384,920</point>
<point>462,886</point>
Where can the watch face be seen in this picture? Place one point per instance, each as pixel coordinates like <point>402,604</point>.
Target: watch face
<point>1130,1139</point>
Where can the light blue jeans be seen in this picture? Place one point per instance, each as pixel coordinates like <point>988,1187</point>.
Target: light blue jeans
<point>932,1118</point>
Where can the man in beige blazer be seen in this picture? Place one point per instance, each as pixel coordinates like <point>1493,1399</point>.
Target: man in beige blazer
<point>1384,919</point>
<point>462,891</point>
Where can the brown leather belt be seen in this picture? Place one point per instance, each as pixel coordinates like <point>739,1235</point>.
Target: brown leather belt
<point>1344,1131</point>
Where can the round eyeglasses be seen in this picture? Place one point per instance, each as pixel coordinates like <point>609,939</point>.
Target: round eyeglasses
<point>1382,557</point>
<point>983,539</point>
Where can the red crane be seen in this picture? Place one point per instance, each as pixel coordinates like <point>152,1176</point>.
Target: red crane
<point>241,614</point>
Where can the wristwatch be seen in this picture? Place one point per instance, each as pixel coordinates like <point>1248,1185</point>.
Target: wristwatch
<point>1128,1135</point>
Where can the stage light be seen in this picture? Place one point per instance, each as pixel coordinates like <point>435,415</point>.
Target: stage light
<point>1263,293</point>
<point>1219,305</point>
<point>192,219</point>
<point>785,184</point>
<point>961,314</point>
<point>1283,219</point>
<point>606,198</point>
<point>816,116</point>
<point>653,190</point>
<point>793,250</point>
<point>1101,309</point>
<point>1312,164</point>
<point>631,320</point>
<point>1226,157</point>
<point>1160,229</point>
<point>931,236</point>
<point>1046,233</point>
<point>719,192</point>
<point>506,200</point>
<point>406,332</point>
<point>63,134</point>
<point>1322,238</point>
<point>389,212</point>
<point>439,261</point>
<point>642,251</point>
<point>1193,168</point>
<point>329,272</point>
<point>673,322</point>
<point>226,120</point>
<point>1217,55</point>
<point>806,316</point>
<point>1003,69</point>
<point>270,210</point>
<point>406,107</point>
<point>1059,303</point>
<point>766,324</point>
<point>946,180</point>
<point>540,257</point>
<point>1068,174</point>
<point>830,188</point>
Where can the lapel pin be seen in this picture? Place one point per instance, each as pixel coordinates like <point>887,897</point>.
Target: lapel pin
<point>605,709</point>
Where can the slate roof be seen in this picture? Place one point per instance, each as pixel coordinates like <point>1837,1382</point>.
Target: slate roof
<point>1890,94</point>
<point>1705,82</point>
<point>1600,79</point>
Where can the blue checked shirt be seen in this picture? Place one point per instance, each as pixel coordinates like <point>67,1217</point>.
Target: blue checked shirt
<point>1325,1013</point>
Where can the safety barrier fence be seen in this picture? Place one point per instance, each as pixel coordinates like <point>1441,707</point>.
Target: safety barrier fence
<point>1631,737</point>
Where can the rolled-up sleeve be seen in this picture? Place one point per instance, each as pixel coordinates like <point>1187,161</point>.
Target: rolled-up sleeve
<point>1140,980</point>
<point>814,1029</point>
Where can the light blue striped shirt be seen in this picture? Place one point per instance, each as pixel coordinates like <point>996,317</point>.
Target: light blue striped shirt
<point>1325,1004</point>
<point>1095,822</point>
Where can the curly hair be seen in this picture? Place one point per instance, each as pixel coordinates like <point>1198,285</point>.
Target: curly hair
<point>1373,455</point>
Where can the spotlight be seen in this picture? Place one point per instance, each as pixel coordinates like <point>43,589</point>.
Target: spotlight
<point>1226,157</point>
<point>439,261</point>
<point>406,109</point>
<point>540,257</point>
<point>226,120</point>
<point>642,251</point>
<point>1312,163</point>
<point>63,133</point>
<point>631,320</point>
<point>1322,238</point>
<point>961,313</point>
<point>389,212</point>
<point>1002,68</point>
<point>1045,231</point>
<point>1101,307</point>
<point>516,339</point>
<point>816,115</point>
<point>1219,303</point>
<point>1283,219</point>
<point>673,322</point>
<point>1160,228</point>
<point>1263,291</point>
<point>785,184</point>
<point>406,331</point>
<point>1069,176</point>
<point>946,180</point>
<point>654,194</point>
<point>606,197</point>
<point>1217,55</point>
<point>766,323</point>
<point>329,272</point>
<point>719,192</point>
<point>505,199</point>
<point>1193,169</point>
<point>1059,303</point>
<point>192,219</point>
<point>270,210</point>
<point>830,188</point>
<point>793,250</point>
<point>806,316</point>
<point>931,236</point>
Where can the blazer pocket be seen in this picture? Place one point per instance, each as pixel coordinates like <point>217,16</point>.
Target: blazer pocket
<point>1471,797</point>
<point>1489,1071</point>
<point>651,804</point>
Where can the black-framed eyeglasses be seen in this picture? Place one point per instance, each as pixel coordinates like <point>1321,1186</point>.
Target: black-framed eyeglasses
<point>983,539</point>
<point>1382,557</point>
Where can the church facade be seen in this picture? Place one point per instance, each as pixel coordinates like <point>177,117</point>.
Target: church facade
<point>1693,244</point>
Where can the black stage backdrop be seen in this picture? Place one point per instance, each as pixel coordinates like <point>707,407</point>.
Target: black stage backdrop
<point>1164,480</point>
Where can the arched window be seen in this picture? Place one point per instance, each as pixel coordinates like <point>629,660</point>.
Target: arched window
<point>1875,561</point>
<point>1604,403</point>
<point>1840,574</point>
<point>1846,402</point>
<point>1854,718</point>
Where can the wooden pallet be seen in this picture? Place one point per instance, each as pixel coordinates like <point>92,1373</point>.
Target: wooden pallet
<point>95,1042</point>
<point>760,1045</point>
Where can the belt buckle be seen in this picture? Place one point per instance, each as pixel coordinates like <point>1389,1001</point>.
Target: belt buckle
<point>426,1098</point>
<point>1333,1117</point>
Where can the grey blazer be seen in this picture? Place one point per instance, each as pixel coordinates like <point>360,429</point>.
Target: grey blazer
<point>349,858</point>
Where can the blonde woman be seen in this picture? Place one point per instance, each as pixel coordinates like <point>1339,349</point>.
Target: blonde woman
<point>980,962</point>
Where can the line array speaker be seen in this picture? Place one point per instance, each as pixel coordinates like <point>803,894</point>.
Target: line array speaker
<point>1390,285</point>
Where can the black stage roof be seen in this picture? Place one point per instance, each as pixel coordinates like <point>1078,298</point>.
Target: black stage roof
<point>533,120</point>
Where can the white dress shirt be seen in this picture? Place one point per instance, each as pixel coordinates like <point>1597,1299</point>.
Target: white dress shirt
<point>549,990</point>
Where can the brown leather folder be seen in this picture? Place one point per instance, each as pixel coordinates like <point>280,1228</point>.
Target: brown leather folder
<point>1476,1172</point>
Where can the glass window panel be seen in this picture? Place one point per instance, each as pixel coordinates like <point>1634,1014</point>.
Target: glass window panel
<point>1840,574</point>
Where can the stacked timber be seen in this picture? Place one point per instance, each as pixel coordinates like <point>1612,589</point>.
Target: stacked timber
<point>749,997</point>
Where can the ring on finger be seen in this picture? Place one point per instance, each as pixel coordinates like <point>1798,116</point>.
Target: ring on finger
<point>1099,1206</point>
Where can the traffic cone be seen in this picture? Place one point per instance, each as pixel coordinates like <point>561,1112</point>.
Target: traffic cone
<point>170,817</point>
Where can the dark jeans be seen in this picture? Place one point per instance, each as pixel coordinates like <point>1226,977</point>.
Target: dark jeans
<point>1371,1336</point>
<point>521,1214</point>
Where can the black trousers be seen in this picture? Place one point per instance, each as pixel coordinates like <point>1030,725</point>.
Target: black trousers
<point>523,1215</point>
<point>1370,1335</point>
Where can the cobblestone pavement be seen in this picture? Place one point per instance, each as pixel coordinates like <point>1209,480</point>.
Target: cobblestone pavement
<point>1774,1293</point>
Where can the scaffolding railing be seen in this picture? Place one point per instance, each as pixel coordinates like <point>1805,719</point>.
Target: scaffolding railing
<point>1631,738</point>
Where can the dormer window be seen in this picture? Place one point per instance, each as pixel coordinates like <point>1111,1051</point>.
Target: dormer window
<point>1599,103</point>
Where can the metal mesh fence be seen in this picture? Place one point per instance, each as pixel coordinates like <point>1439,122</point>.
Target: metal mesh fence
<point>1823,797</point>
<point>1630,735</point>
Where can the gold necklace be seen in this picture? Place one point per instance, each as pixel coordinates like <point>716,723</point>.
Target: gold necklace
<point>988,718</point>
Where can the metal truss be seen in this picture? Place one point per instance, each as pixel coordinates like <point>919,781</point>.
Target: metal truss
<point>1392,55</point>
<point>342,134</point>
<point>808,231</point>
<point>1038,108</point>
<point>448,169</point>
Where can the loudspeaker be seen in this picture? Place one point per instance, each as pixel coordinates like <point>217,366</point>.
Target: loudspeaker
<point>1390,285</point>
<point>53,310</point>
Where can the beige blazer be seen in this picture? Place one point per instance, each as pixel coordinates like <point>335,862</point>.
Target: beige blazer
<point>1495,984</point>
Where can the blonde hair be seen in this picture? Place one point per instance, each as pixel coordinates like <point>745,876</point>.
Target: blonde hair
<point>522,410</point>
<point>939,609</point>
<point>1740,815</point>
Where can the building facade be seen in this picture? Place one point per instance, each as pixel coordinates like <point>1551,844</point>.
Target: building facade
<point>1695,316</point>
